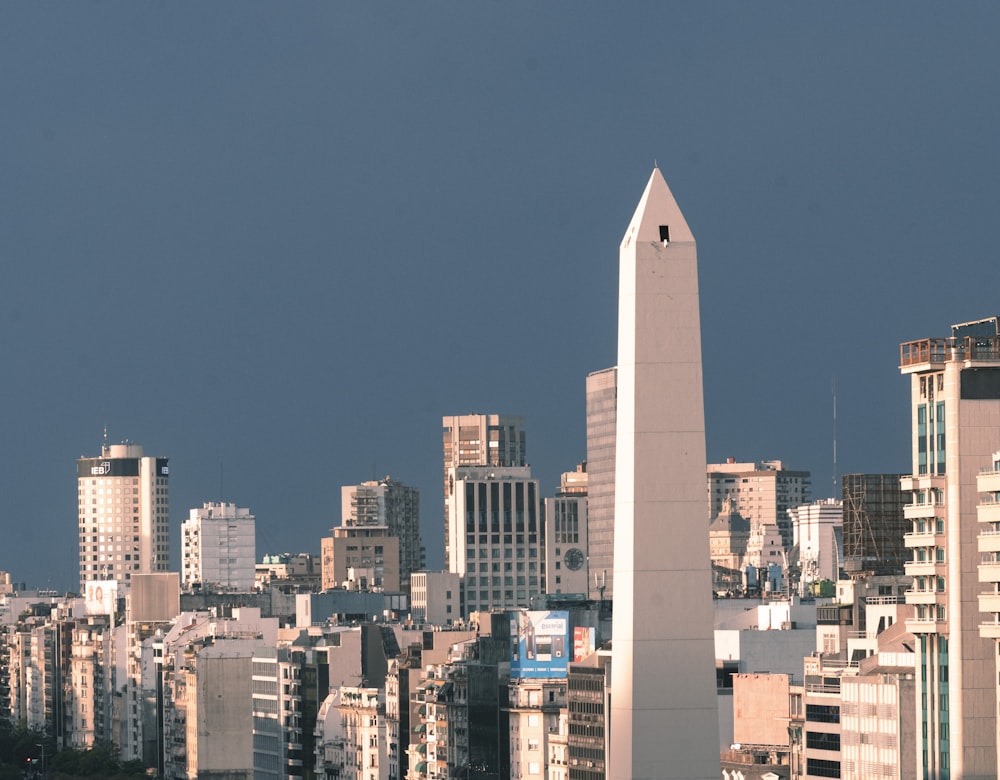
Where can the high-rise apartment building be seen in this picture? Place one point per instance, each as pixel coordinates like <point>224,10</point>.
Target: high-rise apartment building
<point>218,548</point>
<point>474,440</point>
<point>662,725</point>
<point>397,507</point>
<point>122,509</point>
<point>955,417</point>
<point>762,492</point>
<point>602,406</point>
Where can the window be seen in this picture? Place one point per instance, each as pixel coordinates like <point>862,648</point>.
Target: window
<point>821,767</point>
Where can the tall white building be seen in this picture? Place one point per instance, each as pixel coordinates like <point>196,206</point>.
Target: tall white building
<point>498,537</point>
<point>662,725</point>
<point>955,418</point>
<point>218,548</point>
<point>122,511</point>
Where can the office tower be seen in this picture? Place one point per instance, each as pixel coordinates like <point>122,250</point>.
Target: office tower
<point>602,405</point>
<point>664,721</point>
<point>874,524</point>
<point>818,532</point>
<point>219,548</point>
<point>763,492</point>
<point>566,535</point>
<point>122,501</point>
<point>498,537</point>
<point>478,440</point>
<point>397,507</point>
<point>955,417</point>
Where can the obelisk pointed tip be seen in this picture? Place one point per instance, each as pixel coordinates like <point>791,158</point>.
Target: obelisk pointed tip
<point>657,217</point>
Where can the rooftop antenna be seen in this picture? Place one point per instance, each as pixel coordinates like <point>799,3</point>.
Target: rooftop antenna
<point>834,437</point>
<point>105,434</point>
<point>221,484</point>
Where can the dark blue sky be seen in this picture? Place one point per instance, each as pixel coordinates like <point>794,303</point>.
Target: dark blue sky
<point>288,238</point>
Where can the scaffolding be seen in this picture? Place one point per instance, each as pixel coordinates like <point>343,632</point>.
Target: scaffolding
<point>874,524</point>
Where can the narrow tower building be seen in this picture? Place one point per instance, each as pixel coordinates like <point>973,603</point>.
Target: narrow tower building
<point>122,514</point>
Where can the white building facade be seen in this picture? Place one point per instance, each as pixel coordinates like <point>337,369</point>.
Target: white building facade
<point>218,548</point>
<point>497,537</point>
<point>818,531</point>
<point>435,597</point>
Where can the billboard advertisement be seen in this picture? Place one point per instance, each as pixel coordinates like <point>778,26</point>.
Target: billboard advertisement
<point>101,597</point>
<point>584,642</point>
<point>540,645</point>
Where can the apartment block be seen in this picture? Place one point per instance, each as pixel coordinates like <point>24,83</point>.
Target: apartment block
<point>762,492</point>
<point>955,424</point>
<point>392,504</point>
<point>219,548</point>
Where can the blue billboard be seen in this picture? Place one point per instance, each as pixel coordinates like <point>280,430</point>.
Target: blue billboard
<point>539,644</point>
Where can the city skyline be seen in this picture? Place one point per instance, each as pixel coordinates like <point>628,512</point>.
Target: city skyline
<point>277,256</point>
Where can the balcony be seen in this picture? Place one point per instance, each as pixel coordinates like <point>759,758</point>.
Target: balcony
<point>989,603</point>
<point>916,482</point>
<point>989,571</point>
<point>925,353</point>
<point>988,481</point>
<point>926,625</point>
<point>924,597</point>
<point>922,511</point>
<point>989,541</point>
<point>927,569</point>
<point>988,510</point>
<point>920,539</point>
<point>990,629</point>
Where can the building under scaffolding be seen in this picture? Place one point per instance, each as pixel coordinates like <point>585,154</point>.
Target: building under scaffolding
<point>874,524</point>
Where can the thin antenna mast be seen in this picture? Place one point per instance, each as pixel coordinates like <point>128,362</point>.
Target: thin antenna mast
<point>834,437</point>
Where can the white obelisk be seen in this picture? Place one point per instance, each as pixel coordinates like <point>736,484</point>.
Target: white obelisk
<point>664,721</point>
